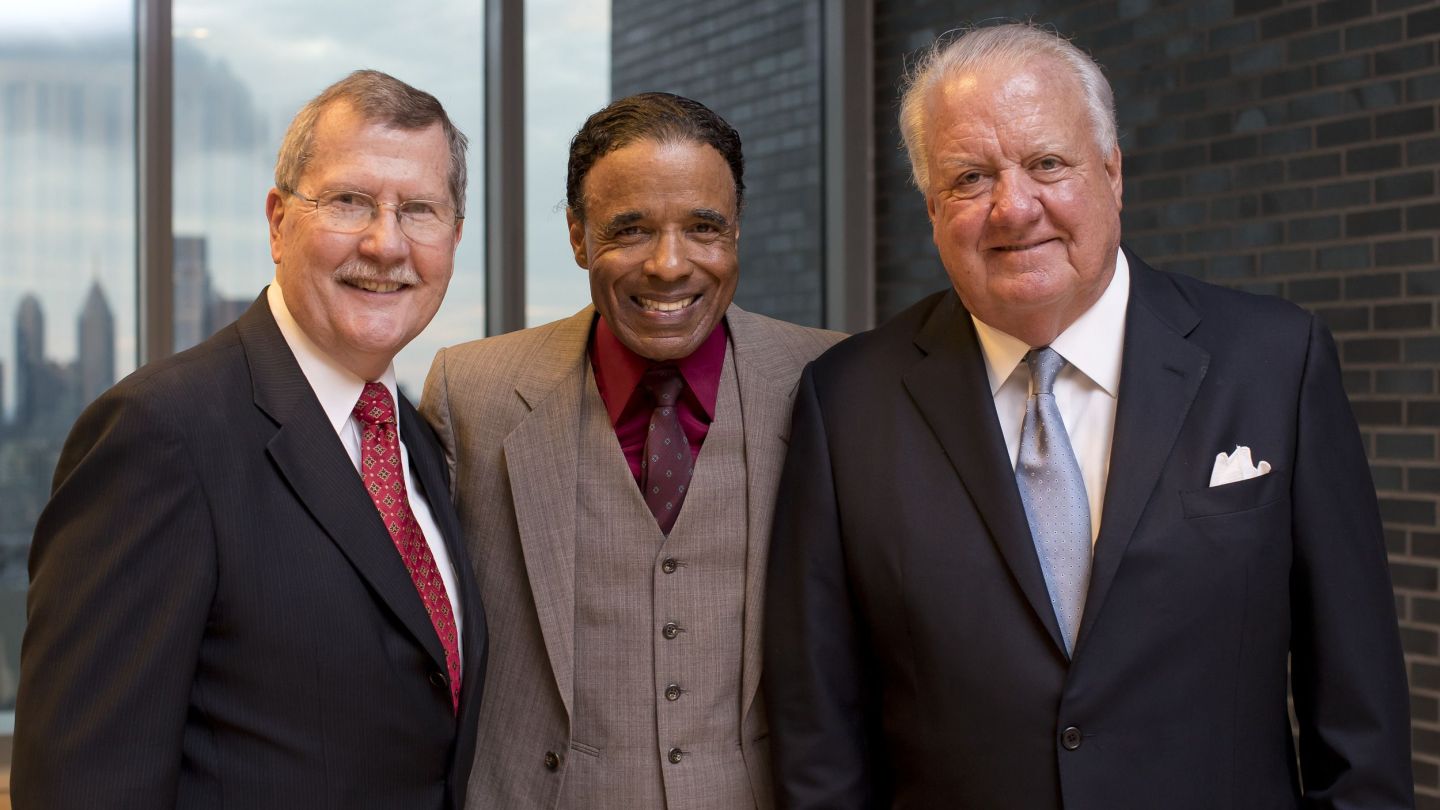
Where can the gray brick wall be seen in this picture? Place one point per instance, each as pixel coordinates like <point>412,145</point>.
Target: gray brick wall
<point>757,63</point>
<point>1287,148</point>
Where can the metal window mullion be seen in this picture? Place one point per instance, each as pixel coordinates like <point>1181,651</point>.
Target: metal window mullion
<point>504,166</point>
<point>847,61</point>
<point>154,161</point>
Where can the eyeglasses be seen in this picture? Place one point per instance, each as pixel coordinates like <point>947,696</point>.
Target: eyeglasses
<point>423,221</point>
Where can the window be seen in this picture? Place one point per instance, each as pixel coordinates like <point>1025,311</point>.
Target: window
<point>560,93</point>
<point>67,272</point>
<point>242,70</point>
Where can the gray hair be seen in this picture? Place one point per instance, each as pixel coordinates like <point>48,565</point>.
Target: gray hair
<point>976,48</point>
<point>377,97</point>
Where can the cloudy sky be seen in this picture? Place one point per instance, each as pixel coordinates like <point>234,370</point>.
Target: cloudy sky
<point>284,52</point>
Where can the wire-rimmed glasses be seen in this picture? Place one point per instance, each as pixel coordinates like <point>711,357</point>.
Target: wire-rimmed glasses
<point>426,222</point>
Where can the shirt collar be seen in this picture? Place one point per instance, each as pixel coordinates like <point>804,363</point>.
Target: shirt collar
<point>337,388</point>
<point>1094,344</point>
<point>622,369</point>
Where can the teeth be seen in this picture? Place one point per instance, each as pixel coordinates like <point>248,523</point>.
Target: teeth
<point>664,306</point>
<point>376,286</point>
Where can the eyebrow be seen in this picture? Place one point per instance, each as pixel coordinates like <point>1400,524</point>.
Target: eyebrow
<point>711,216</point>
<point>626,218</point>
<point>623,219</point>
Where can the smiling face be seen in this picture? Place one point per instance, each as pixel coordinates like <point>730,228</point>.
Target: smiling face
<point>1024,206</point>
<point>362,296</point>
<point>659,239</point>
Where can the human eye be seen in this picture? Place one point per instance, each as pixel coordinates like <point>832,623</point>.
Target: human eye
<point>420,210</point>
<point>966,183</point>
<point>347,201</point>
<point>969,179</point>
<point>1049,163</point>
<point>627,234</point>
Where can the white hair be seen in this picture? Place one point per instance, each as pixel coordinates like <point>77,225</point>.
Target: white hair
<point>977,48</point>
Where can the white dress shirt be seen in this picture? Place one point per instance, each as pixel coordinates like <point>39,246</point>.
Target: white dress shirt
<point>338,390</point>
<point>1086,391</point>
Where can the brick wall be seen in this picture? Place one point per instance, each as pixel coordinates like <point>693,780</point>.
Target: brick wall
<point>1287,148</point>
<point>757,64</point>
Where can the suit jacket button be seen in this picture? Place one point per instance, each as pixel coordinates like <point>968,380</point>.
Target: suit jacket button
<point>1070,738</point>
<point>669,565</point>
<point>437,679</point>
<point>672,692</point>
<point>552,760</point>
<point>675,756</point>
<point>670,630</point>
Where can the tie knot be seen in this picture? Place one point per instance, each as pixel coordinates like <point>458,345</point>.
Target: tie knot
<point>375,406</point>
<point>664,384</point>
<point>1045,363</point>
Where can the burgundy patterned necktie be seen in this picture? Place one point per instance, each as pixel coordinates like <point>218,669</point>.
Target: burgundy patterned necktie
<point>384,479</point>
<point>666,469</point>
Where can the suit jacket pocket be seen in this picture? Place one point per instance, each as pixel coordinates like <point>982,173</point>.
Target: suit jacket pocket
<point>1238,496</point>
<point>582,748</point>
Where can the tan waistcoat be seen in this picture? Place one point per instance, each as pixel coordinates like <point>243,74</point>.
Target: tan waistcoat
<point>657,714</point>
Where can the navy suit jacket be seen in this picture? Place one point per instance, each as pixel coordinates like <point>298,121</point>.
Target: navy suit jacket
<point>218,617</point>
<point>912,656</point>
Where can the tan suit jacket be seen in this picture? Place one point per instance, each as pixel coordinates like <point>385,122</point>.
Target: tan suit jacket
<point>507,412</point>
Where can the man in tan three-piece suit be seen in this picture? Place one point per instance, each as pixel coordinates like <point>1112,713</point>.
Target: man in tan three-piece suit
<point>615,477</point>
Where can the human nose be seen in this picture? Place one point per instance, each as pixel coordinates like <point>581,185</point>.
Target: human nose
<point>1015,200</point>
<point>668,261</point>
<point>383,240</point>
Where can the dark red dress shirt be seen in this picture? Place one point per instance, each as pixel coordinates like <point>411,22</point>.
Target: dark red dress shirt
<point>618,372</point>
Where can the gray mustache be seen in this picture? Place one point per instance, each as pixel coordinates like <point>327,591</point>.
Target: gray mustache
<point>365,271</point>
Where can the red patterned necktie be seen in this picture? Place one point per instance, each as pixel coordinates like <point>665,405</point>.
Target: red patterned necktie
<point>666,469</point>
<point>381,471</point>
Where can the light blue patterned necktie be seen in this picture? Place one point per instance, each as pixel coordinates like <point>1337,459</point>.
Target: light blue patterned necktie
<point>1053,492</point>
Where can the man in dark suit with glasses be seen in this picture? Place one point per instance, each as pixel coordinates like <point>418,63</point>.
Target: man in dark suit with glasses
<point>249,588</point>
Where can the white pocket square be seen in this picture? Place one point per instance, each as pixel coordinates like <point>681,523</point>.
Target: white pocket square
<point>1236,466</point>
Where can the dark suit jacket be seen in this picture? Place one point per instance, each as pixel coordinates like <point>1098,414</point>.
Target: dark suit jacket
<point>912,656</point>
<point>217,616</point>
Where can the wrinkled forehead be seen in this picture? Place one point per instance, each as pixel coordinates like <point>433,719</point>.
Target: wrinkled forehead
<point>1038,77</point>
<point>380,151</point>
<point>650,173</point>
<point>994,94</point>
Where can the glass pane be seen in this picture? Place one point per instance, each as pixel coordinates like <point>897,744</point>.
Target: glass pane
<point>242,70</point>
<point>560,93</point>
<point>67,269</point>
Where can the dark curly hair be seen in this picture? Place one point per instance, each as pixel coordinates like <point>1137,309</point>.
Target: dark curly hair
<point>659,117</point>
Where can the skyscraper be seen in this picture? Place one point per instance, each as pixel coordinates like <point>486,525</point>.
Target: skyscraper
<point>192,291</point>
<point>30,372</point>
<point>95,363</point>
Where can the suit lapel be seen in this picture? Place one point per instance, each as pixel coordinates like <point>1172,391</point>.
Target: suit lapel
<point>950,387</point>
<point>1161,374</point>
<point>761,362</point>
<point>311,458</point>
<point>426,464</point>
<point>540,458</point>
